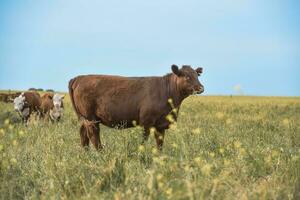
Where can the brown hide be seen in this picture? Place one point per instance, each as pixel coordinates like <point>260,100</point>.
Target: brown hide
<point>46,103</point>
<point>32,101</point>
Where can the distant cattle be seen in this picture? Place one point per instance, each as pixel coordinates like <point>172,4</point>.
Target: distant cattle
<point>52,105</point>
<point>117,101</point>
<point>46,103</point>
<point>58,106</point>
<point>27,103</point>
<point>8,97</point>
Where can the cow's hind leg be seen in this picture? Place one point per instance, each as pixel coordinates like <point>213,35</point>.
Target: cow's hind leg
<point>84,137</point>
<point>93,132</point>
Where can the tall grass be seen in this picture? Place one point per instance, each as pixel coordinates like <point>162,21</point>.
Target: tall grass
<point>221,148</point>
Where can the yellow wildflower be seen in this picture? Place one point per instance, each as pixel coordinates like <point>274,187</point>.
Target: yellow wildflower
<point>152,130</point>
<point>13,160</point>
<point>237,144</point>
<point>187,168</point>
<point>15,143</point>
<point>285,122</point>
<point>159,177</point>
<point>173,126</point>
<point>154,151</point>
<point>196,131</point>
<point>134,123</point>
<point>206,169</point>
<point>242,151</point>
<point>141,148</point>
<point>221,150</point>
<point>21,133</point>
<point>169,191</point>
<point>160,184</point>
<point>170,118</point>
<point>198,160</point>
<point>212,154</point>
<point>2,132</point>
<point>174,145</point>
<point>220,115</point>
<point>6,122</point>
<point>228,121</point>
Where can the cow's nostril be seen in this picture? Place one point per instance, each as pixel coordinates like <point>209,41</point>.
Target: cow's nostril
<point>200,90</point>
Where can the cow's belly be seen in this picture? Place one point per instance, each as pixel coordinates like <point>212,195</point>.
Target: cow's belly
<point>118,115</point>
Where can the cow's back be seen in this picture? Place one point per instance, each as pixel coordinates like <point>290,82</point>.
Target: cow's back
<point>111,99</point>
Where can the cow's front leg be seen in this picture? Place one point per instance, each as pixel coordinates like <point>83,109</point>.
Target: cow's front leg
<point>159,137</point>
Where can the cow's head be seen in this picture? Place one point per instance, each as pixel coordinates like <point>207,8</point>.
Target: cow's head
<point>48,96</point>
<point>187,79</point>
<point>58,100</point>
<point>19,102</point>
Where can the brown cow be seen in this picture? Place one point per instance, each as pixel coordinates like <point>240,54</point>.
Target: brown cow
<point>27,103</point>
<point>116,100</point>
<point>46,103</point>
<point>52,106</point>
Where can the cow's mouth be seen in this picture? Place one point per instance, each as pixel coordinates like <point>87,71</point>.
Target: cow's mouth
<point>198,91</point>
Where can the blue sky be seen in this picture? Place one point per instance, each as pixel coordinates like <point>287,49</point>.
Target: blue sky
<point>249,46</point>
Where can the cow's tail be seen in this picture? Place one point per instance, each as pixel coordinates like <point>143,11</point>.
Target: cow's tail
<point>88,127</point>
<point>71,93</point>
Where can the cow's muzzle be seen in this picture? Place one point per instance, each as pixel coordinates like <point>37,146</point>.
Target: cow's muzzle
<point>199,90</point>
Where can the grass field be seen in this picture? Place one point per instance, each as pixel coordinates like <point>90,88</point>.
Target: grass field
<point>221,148</point>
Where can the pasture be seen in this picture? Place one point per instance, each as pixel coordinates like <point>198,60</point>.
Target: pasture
<point>221,148</point>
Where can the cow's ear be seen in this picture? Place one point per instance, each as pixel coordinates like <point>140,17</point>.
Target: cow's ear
<point>176,70</point>
<point>199,70</point>
<point>62,96</point>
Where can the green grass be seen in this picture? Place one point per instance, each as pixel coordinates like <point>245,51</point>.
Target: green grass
<point>221,148</point>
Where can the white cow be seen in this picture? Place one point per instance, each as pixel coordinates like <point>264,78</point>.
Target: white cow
<point>57,110</point>
<point>27,103</point>
<point>19,105</point>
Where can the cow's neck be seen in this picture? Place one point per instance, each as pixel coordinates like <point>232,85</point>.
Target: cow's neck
<point>173,91</point>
